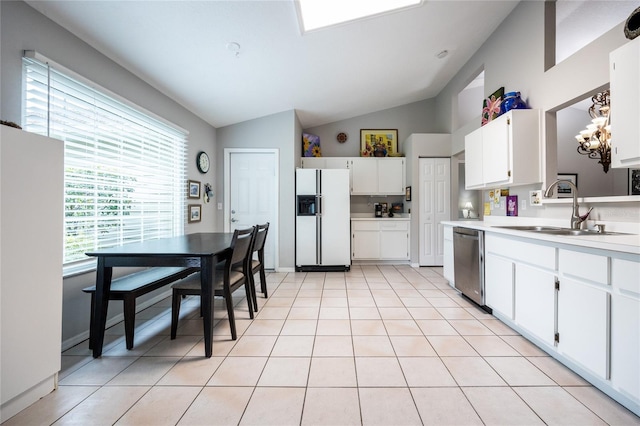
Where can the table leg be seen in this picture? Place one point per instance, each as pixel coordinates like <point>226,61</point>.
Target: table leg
<point>101,304</point>
<point>207,295</point>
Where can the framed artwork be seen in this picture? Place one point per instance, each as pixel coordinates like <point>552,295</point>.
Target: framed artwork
<point>195,213</point>
<point>193,188</point>
<point>311,145</point>
<point>634,181</point>
<point>378,142</point>
<point>564,190</point>
<point>407,193</point>
<point>491,106</point>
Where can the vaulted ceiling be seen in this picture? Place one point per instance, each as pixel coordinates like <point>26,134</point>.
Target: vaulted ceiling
<point>184,49</point>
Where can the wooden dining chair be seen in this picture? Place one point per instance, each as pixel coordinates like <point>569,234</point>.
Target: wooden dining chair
<point>256,264</point>
<point>226,280</point>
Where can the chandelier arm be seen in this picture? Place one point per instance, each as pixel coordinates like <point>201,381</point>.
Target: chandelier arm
<point>601,134</point>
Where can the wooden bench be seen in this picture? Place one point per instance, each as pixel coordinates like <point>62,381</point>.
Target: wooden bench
<point>129,287</point>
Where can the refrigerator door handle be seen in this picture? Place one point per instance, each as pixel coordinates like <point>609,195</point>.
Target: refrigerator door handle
<point>318,240</point>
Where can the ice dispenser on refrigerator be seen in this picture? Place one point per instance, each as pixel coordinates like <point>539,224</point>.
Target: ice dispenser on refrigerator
<point>306,205</point>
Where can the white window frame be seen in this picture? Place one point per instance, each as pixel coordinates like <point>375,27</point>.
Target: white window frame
<point>125,168</point>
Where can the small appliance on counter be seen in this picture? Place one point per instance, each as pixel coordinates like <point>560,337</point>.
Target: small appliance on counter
<point>378,209</point>
<point>397,208</point>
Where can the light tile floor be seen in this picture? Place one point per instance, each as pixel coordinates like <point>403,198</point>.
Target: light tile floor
<point>387,345</point>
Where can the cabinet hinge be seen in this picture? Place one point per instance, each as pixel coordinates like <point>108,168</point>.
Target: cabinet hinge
<point>509,173</point>
<point>556,338</point>
<point>557,284</point>
<point>508,121</point>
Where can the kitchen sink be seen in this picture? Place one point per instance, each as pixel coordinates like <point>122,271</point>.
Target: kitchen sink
<point>553,230</point>
<point>532,228</point>
<point>579,232</point>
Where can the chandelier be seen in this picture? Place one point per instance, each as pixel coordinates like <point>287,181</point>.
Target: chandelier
<point>595,140</point>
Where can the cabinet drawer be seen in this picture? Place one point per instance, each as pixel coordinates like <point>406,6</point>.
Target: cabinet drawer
<point>530,253</point>
<point>624,275</point>
<point>365,225</point>
<point>589,267</point>
<point>395,225</point>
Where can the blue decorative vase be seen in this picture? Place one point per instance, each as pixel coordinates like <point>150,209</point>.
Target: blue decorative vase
<point>511,101</point>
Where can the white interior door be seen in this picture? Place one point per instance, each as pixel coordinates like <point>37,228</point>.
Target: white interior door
<point>434,194</point>
<point>252,188</point>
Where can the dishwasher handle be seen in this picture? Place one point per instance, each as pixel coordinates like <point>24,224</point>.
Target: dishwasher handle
<point>466,232</point>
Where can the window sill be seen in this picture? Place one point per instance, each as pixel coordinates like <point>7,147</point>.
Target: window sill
<point>78,268</point>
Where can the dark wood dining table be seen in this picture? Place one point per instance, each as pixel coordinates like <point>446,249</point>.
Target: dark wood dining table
<point>200,250</point>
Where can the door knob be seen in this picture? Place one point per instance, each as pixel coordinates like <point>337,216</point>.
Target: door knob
<point>233,211</point>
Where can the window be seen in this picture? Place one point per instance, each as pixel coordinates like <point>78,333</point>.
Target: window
<point>323,13</point>
<point>124,169</point>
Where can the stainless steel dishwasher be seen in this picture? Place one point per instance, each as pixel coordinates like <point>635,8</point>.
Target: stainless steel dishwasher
<point>468,266</point>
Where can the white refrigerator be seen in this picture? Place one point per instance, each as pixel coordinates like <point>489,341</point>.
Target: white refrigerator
<point>323,214</point>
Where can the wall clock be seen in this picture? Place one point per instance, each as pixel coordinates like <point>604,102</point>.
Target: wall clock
<point>342,137</point>
<point>202,162</point>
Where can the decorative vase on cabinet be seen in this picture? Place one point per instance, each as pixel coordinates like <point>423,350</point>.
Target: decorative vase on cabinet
<point>511,101</point>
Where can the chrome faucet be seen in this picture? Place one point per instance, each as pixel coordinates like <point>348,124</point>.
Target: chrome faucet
<point>576,219</point>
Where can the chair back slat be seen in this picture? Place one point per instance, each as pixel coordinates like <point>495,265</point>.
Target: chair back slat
<point>240,245</point>
<point>261,237</point>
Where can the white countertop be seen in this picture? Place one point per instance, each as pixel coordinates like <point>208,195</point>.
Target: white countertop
<point>371,216</point>
<point>626,243</point>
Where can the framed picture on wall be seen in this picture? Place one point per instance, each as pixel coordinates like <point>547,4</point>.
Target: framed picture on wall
<point>378,142</point>
<point>194,189</point>
<point>563,189</point>
<point>195,213</point>
<point>634,181</point>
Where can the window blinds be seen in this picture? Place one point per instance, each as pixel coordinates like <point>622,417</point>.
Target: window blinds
<point>124,169</point>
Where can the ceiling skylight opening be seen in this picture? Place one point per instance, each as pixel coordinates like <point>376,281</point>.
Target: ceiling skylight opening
<point>316,14</point>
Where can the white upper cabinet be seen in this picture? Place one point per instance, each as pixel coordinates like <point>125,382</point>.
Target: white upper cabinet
<point>377,176</point>
<point>369,176</point>
<point>506,151</point>
<point>364,176</point>
<point>325,162</point>
<point>391,176</point>
<point>473,168</point>
<point>625,105</point>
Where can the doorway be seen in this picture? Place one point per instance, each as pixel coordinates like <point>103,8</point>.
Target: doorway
<point>251,194</point>
<point>435,207</point>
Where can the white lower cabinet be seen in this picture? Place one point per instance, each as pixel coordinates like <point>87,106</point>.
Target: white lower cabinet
<point>593,312</point>
<point>394,240</point>
<point>583,324</point>
<point>520,283</point>
<point>365,240</point>
<point>625,327</point>
<point>535,301</point>
<point>584,301</point>
<point>498,286</point>
<point>447,265</point>
<point>380,239</point>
